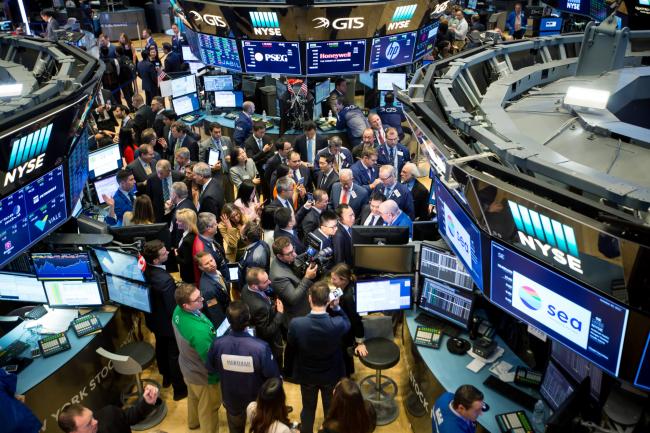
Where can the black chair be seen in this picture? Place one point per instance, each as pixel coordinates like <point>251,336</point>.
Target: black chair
<point>383,354</point>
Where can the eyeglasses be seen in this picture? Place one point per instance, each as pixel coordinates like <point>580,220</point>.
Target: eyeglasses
<point>200,298</point>
<point>289,253</point>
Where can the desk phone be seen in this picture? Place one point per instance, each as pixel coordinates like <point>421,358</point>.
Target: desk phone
<point>514,422</point>
<point>86,324</point>
<point>428,337</point>
<point>53,344</point>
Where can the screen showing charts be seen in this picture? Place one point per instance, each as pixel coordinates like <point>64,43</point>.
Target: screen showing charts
<point>336,57</point>
<point>120,264</point>
<point>106,187</point>
<point>383,294</point>
<point>78,169</point>
<point>426,40</point>
<point>21,288</point>
<point>62,266</point>
<point>228,99</point>
<point>588,324</point>
<point>218,51</point>
<point>447,302</point>
<point>186,104</point>
<point>183,86</point>
<point>128,293</point>
<point>386,80</point>
<point>555,387</point>
<point>322,91</point>
<point>642,379</point>
<point>217,83</point>
<point>188,55</point>
<point>72,293</point>
<point>444,266</point>
<point>391,51</point>
<point>460,233</point>
<point>30,213</point>
<point>577,367</point>
<point>105,160</point>
<point>266,57</point>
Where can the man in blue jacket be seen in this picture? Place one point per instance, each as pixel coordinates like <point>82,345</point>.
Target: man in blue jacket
<point>351,117</point>
<point>393,190</point>
<point>393,216</point>
<point>391,115</point>
<point>516,22</point>
<point>458,412</point>
<point>393,152</point>
<point>123,198</point>
<point>244,123</point>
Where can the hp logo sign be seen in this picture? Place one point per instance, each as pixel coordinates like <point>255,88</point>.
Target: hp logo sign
<point>392,51</point>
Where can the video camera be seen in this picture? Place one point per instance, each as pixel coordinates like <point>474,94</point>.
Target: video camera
<point>321,258</point>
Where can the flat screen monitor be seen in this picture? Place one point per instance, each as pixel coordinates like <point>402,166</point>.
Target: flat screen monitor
<point>106,186</point>
<point>385,80</point>
<point>217,51</point>
<point>555,387</point>
<point>228,99</point>
<point>391,51</point>
<point>186,104</point>
<point>90,225</point>
<point>577,367</point>
<point>336,57</point>
<point>642,378</point>
<point>387,235</point>
<point>471,4</point>
<point>267,57</point>
<point>318,111</point>
<point>587,323</point>
<point>120,264</point>
<point>183,86</point>
<point>32,212</point>
<point>70,293</point>
<point>384,258</point>
<point>322,91</point>
<point>550,26</point>
<point>62,266</point>
<point>21,288</point>
<point>217,83</point>
<point>444,266</point>
<point>426,40</point>
<point>382,99</point>
<point>148,232</point>
<point>128,293</point>
<point>195,66</point>
<point>367,79</point>
<point>188,55</point>
<point>78,171</point>
<point>460,233</point>
<point>384,294</point>
<point>104,161</point>
<point>425,231</point>
<point>447,302</point>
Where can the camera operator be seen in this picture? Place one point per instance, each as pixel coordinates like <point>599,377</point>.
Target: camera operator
<point>290,288</point>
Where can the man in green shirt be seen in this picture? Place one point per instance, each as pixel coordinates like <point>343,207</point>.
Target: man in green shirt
<point>195,334</point>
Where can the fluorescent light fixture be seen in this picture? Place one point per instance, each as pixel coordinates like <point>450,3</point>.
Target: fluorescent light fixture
<point>8,90</point>
<point>585,97</point>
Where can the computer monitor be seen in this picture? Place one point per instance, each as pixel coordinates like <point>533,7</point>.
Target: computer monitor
<point>128,293</point>
<point>217,83</point>
<point>183,86</point>
<point>188,55</point>
<point>471,4</point>
<point>195,66</point>
<point>318,111</point>
<point>384,258</point>
<point>336,57</point>
<point>555,387</point>
<point>90,225</point>
<point>443,266</point>
<point>322,91</point>
<point>103,161</point>
<point>575,405</point>
<point>425,231</point>
<point>62,266</point>
<point>550,26</point>
<point>393,50</point>
<point>119,263</point>
<point>21,288</point>
<point>367,79</point>
<point>382,99</point>
<point>218,51</point>
<point>71,293</point>
<point>388,235</point>
<point>186,104</point>
<point>270,57</point>
<point>446,302</point>
<point>384,294</point>
<point>577,367</point>
<point>228,99</point>
<point>385,80</point>
<point>148,232</point>
<point>106,186</point>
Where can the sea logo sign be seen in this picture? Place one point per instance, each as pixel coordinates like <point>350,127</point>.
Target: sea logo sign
<point>457,235</point>
<point>551,310</point>
<point>265,23</point>
<point>27,154</point>
<point>351,23</point>
<point>392,50</point>
<point>213,20</point>
<point>542,234</point>
<point>402,17</point>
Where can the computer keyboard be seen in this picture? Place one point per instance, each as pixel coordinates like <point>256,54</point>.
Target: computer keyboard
<point>36,312</point>
<point>510,392</point>
<point>85,325</point>
<point>9,353</point>
<point>432,322</point>
<point>53,344</point>
<point>514,422</point>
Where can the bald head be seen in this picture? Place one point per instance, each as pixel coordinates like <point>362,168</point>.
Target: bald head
<point>389,211</point>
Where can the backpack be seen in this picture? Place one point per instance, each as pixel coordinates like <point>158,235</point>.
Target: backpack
<point>111,77</point>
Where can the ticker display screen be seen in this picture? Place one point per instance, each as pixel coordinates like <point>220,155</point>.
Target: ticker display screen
<point>266,57</point>
<point>217,51</point>
<point>336,57</point>
<point>391,51</point>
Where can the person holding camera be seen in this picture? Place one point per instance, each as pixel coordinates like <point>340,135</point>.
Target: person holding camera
<point>290,288</point>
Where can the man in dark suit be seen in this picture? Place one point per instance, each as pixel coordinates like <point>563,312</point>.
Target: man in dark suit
<point>314,346</point>
<point>342,242</point>
<point>365,171</point>
<point>177,201</point>
<point>326,176</point>
<point>409,175</point>
<point>285,188</point>
<point>308,216</point>
<point>52,25</point>
<point>158,108</point>
<point>148,40</point>
<point>122,200</point>
<point>173,60</point>
<point>159,187</point>
<point>221,146</point>
<point>310,143</point>
<point>211,198</point>
<point>142,166</point>
<point>393,152</point>
<point>342,156</point>
<point>370,215</point>
<point>321,238</point>
<point>393,216</point>
<point>144,116</point>
<point>282,149</point>
<point>340,89</point>
<point>178,40</point>
<point>147,72</point>
<point>159,321</point>
<point>244,124</point>
<point>345,191</point>
<point>102,112</point>
<point>259,146</point>
<point>378,129</point>
<point>300,174</point>
<point>291,289</point>
<point>393,190</point>
<point>285,222</point>
<point>182,138</point>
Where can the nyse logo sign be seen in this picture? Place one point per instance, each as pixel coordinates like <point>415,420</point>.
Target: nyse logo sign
<point>551,310</point>
<point>553,239</point>
<point>265,23</point>
<point>27,154</point>
<point>457,235</point>
<point>573,4</point>
<point>213,20</point>
<point>402,17</point>
<point>339,23</point>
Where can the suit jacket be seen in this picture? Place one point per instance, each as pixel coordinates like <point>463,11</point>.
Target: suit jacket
<point>357,198</point>
<point>144,118</point>
<point>420,200</point>
<point>159,127</point>
<point>184,258</point>
<point>211,292</point>
<point>295,241</point>
<point>162,286</point>
<point>212,198</point>
<point>276,203</point>
<point>226,148</point>
<point>154,190</point>
<point>402,197</point>
<point>105,123</point>
<point>52,25</point>
<point>342,246</point>
<point>346,159</point>
<point>308,220</point>
<point>178,42</point>
<point>171,218</point>
<point>403,221</point>
<point>243,129</point>
<point>272,164</point>
<point>314,345</point>
<point>264,318</point>
<point>122,205</point>
<point>173,63</point>
<point>306,178</point>
<point>326,184</point>
<point>300,146</point>
<point>147,72</point>
<point>191,144</point>
<point>253,151</point>
<point>401,153</point>
<point>291,290</point>
<point>140,175</point>
<point>365,211</point>
<point>362,177</point>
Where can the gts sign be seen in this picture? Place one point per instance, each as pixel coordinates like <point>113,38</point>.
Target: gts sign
<point>213,20</point>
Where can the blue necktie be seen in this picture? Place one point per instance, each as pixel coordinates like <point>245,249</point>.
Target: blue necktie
<point>391,152</point>
<point>310,150</point>
<point>165,190</point>
<point>132,198</point>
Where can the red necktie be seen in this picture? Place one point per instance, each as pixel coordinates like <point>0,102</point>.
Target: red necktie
<point>344,196</point>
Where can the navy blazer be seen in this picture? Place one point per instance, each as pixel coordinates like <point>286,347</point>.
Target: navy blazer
<point>122,205</point>
<point>358,197</point>
<point>191,144</point>
<point>361,177</point>
<point>154,190</point>
<point>402,196</point>
<point>178,42</point>
<point>401,152</point>
<point>243,129</point>
<point>308,220</point>
<point>298,246</point>
<point>162,285</point>
<point>300,146</point>
<point>326,184</point>
<point>342,246</point>
<point>346,158</point>
<point>147,72</point>
<point>173,63</point>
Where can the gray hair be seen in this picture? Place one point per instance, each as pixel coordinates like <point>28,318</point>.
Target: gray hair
<point>345,172</point>
<point>163,164</point>
<point>389,206</point>
<point>388,168</point>
<point>184,152</point>
<point>284,184</point>
<point>335,141</point>
<point>180,189</point>
<point>205,220</point>
<point>412,168</point>
<point>202,169</point>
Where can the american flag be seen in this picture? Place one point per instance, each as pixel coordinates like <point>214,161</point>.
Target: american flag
<point>161,75</point>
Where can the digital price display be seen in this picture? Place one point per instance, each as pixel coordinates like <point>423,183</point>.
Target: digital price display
<point>426,40</point>
<point>391,51</point>
<point>336,57</point>
<point>265,57</point>
<point>217,51</point>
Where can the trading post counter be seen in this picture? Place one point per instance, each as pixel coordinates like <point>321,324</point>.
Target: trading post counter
<point>432,372</point>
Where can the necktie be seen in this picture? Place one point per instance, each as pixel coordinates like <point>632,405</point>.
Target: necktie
<point>370,175</point>
<point>131,197</point>
<point>323,179</point>
<point>165,186</point>
<point>217,145</point>
<point>259,143</point>
<point>310,150</point>
<point>147,169</point>
<point>389,192</point>
<point>296,175</point>
<point>344,196</point>
<point>178,144</point>
<point>391,154</point>
<point>373,221</point>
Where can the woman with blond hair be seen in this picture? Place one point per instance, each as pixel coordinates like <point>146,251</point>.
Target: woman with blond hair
<point>186,222</point>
